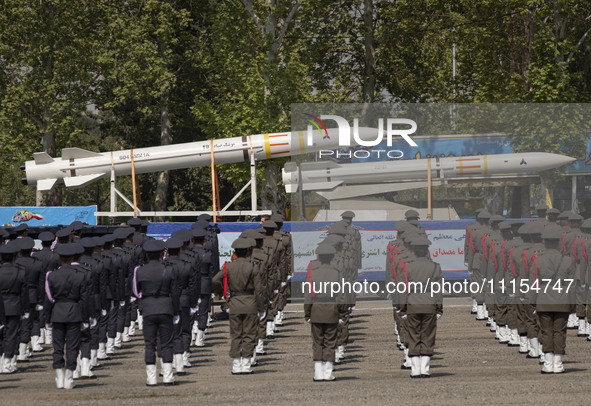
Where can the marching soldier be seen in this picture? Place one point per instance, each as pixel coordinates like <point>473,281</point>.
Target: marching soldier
<point>155,286</point>
<point>285,266</point>
<point>421,309</point>
<point>573,250</point>
<point>15,295</point>
<point>479,254</point>
<point>468,254</point>
<point>66,308</point>
<point>241,282</point>
<point>321,310</point>
<point>553,300</point>
<point>204,258</point>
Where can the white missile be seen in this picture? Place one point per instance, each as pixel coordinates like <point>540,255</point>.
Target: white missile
<point>78,167</point>
<point>327,175</point>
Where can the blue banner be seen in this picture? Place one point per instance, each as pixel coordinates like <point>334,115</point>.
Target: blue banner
<point>46,216</point>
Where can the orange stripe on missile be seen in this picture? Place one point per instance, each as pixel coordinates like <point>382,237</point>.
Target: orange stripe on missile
<point>468,167</point>
<point>278,135</point>
<point>283,143</point>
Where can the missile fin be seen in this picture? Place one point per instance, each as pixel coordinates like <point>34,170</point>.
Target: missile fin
<point>75,153</point>
<point>45,185</point>
<point>79,181</point>
<point>42,158</point>
<point>321,185</point>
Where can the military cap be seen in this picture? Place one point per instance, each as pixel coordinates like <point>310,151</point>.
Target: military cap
<point>134,222</point>
<point>478,211</point>
<point>63,232</point>
<point>524,229</point>
<point>76,225</point>
<point>107,238</point>
<point>269,224</point>
<point>25,243</point>
<point>586,224</point>
<point>419,241</point>
<point>251,233</point>
<point>66,250</point>
<point>553,211</point>
<point>10,248</point>
<point>200,224</point>
<point>409,235</point>
<point>542,206</point>
<point>505,225</point>
<point>122,233</point>
<point>46,236</point>
<point>564,215</point>
<point>552,233</point>
<point>153,246</point>
<point>277,218</point>
<point>483,215</point>
<point>575,217</point>
<point>325,249</point>
<point>348,214</point>
<point>88,242</point>
<point>243,243</point>
<point>497,219</point>
<point>21,227</point>
<point>199,233</point>
<point>145,223</point>
<point>4,233</point>
<point>337,228</point>
<point>174,243</point>
<point>204,216</point>
<point>410,214</point>
<point>414,222</point>
<point>184,234</point>
<point>99,241</point>
<point>536,228</point>
<point>78,248</point>
<point>334,239</point>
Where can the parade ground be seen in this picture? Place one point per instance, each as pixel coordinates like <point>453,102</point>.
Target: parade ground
<point>469,367</point>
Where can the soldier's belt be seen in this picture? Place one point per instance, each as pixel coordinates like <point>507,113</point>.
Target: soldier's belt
<point>245,293</point>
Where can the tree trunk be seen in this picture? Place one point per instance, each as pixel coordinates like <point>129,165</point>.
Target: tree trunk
<point>271,198</point>
<point>160,201</point>
<point>494,199</point>
<point>369,82</point>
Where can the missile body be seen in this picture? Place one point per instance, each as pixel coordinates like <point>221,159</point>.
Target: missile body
<point>78,167</point>
<point>327,175</point>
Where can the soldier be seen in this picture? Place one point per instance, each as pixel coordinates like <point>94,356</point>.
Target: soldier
<point>66,308</point>
<point>35,278</point>
<point>421,308</point>
<point>123,262</point>
<point>357,249</point>
<point>206,272</point>
<point>276,248</point>
<point>321,310</point>
<point>241,282</point>
<point>492,266</point>
<point>553,304</point>
<point>479,258</point>
<point>585,267</point>
<point>50,261</point>
<point>155,286</point>
<point>553,215</point>
<point>188,292</point>
<point>15,295</point>
<point>573,250</point>
<point>285,266</point>
<point>468,254</point>
<point>541,212</point>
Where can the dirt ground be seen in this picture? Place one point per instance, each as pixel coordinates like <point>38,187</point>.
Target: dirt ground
<point>469,367</point>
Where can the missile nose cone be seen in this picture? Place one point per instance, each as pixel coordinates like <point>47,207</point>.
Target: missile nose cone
<point>560,160</point>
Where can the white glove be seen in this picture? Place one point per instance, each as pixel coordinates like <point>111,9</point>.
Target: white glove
<point>404,317</point>
<point>262,315</point>
<point>289,277</point>
<point>341,321</point>
<point>48,326</point>
<point>193,310</point>
<point>25,316</point>
<point>308,321</point>
<point>276,291</point>
<point>1,327</point>
<point>84,326</point>
<point>212,296</point>
<point>38,307</point>
<point>176,319</point>
<point>132,299</point>
<point>283,284</point>
<point>122,303</point>
<point>93,322</point>
<point>198,301</point>
<point>103,312</point>
<point>438,316</point>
